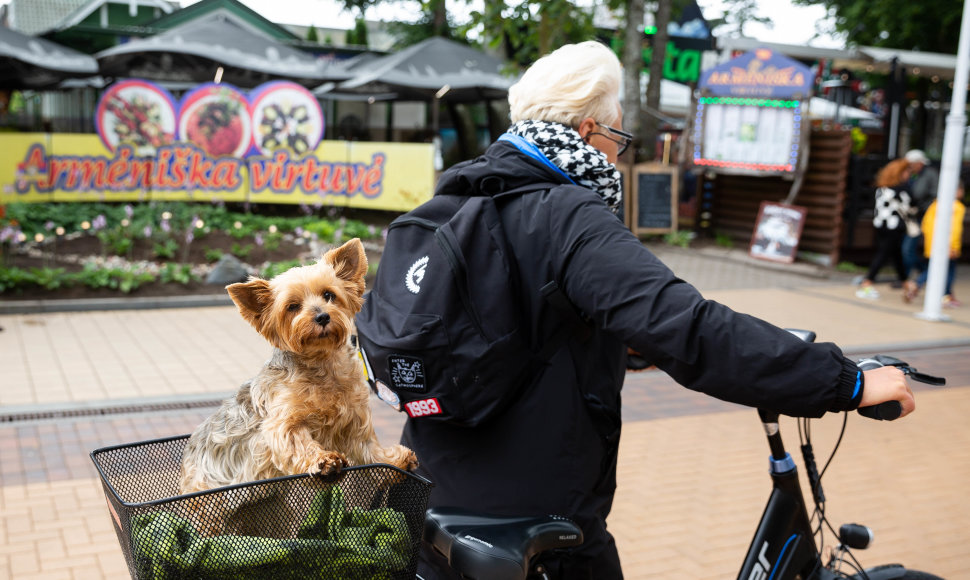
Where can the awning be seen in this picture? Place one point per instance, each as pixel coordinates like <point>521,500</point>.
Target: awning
<point>27,62</point>
<point>193,51</point>
<point>419,72</point>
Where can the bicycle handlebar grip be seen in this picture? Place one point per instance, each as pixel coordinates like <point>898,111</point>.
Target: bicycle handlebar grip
<point>888,411</point>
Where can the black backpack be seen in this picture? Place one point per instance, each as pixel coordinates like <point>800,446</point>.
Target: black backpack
<point>440,330</point>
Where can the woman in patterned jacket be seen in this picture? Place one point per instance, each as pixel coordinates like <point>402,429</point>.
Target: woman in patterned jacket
<point>893,207</point>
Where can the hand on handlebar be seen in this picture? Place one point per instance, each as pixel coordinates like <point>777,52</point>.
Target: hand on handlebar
<point>885,384</point>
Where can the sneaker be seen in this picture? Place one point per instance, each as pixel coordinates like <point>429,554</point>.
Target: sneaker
<point>950,301</point>
<point>910,290</point>
<point>867,292</point>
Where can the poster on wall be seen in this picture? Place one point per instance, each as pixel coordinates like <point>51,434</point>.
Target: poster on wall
<point>777,232</point>
<point>217,144</point>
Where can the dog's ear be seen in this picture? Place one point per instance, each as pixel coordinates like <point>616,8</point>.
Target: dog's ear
<point>252,298</point>
<point>349,261</point>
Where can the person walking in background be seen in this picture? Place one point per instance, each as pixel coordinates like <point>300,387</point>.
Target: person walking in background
<point>893,205</point>
<point>923,183</point>
<point>911,289</point>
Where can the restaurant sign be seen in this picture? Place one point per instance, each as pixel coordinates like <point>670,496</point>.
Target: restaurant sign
<point>759,73</point>
<point>216,143</point>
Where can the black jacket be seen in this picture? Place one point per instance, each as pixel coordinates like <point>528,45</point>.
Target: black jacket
<point>554,450</point>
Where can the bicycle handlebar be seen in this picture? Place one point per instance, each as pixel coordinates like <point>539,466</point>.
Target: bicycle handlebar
<point>891,410</point>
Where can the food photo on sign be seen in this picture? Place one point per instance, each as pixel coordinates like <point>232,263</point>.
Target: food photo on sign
<point>215,118</point>
<point>136,113</point>
<point>285,116</point>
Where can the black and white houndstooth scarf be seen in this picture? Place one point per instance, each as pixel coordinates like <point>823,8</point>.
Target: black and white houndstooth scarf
<point>583,163</point>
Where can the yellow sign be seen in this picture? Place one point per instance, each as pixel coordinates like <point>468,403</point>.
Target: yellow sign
<point>39,167</point>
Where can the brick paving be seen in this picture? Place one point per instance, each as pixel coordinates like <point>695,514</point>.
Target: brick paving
<point>692,473</point>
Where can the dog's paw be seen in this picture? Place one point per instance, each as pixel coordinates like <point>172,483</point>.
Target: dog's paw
<point>410,461</point>
<point>328,464</point>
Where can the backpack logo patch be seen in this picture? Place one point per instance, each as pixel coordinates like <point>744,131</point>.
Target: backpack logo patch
<point>423,408</point>
<point>415,275</point>
<point>407,373</point>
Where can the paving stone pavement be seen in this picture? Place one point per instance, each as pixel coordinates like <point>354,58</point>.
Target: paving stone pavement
<point>692,473</point>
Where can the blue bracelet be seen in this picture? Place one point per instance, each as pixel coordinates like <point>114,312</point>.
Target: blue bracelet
<point>858,384</point>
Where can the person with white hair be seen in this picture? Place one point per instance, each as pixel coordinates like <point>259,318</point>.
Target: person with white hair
<point>553,449</point>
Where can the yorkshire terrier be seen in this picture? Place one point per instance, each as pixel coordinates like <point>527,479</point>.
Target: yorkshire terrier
<point>306,411</point>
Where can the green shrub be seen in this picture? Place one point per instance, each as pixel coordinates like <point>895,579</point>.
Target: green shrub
<point>177,273</point>
<point>274,268</point>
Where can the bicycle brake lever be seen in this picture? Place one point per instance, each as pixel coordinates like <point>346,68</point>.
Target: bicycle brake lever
<point>923,377</point>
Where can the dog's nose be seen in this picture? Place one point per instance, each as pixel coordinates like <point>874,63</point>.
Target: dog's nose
<point>322,319</point>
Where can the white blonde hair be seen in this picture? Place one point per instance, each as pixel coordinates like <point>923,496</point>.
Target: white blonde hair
<point>568,85</point>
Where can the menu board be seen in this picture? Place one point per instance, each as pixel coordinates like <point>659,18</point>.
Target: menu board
<point>655,189</point>
<point>749,134</point>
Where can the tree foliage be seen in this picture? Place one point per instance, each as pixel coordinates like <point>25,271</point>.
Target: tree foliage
<point>532,28</point>
<point>927,25</point>
<point>434,21</point>
<point>735,15</point>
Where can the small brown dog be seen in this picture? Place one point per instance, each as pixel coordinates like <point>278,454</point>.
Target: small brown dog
<point>307,409</point>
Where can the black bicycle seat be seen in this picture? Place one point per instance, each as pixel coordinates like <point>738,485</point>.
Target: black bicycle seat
<point>481,546</point>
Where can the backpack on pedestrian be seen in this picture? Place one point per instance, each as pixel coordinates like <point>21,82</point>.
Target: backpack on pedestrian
<point>440,332</point>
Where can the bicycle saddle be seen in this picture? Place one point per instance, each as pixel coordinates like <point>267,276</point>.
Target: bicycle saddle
<point>480,546</point>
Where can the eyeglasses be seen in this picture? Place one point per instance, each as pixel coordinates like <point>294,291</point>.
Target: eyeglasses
<point>624,138</point>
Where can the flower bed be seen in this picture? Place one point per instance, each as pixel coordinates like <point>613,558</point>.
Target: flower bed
<point>50,251</point>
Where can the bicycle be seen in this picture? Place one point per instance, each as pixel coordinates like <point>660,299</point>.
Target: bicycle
<point>140,485</point>
<point>786,545</point>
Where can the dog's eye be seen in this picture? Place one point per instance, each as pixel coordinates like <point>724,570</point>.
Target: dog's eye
<point>293,307</point>
<point>329,296</point>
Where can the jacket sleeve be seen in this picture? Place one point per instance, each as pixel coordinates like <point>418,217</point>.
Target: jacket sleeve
<point>703,345</point>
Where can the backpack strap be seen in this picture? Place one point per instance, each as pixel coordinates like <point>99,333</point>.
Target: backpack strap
<point>575,325</point>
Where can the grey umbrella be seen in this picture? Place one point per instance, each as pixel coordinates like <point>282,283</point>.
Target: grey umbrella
<point>27,62</point>
<point>436,66</point>
<point>193,52</point>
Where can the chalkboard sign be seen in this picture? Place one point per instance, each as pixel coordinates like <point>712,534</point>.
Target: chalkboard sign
<point>654,198</point>
<point>625,210</point>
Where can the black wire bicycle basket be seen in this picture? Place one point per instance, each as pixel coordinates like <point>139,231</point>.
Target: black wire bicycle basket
<point>365,522</point>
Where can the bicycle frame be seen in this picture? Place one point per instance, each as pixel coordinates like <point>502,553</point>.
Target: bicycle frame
<point>783,546</point>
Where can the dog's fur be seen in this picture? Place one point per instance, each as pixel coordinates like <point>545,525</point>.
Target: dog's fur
<point>307,409</point>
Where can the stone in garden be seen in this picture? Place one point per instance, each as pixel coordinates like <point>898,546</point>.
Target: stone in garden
<point>227,270</point>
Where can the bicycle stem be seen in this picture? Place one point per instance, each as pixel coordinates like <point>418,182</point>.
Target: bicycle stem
<point>770,421</point>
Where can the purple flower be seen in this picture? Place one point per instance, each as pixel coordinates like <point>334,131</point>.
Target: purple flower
<point>298,232</point>
<point>372,229</point>
<point>166,227</point>
<point>49,225</point>
<point>305,209</point>
<point>99,223</point>
<point>258,239</point>
<point>129,211</point>
<point>8,233</point>
<point>147,232</point>
<point>189,236</point>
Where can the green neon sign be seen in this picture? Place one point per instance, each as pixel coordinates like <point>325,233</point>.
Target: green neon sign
<point>681,65</point>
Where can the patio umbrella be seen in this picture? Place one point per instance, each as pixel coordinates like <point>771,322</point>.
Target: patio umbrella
<point>195,50</point>
<point>27,62</point>
<point>419,72</point>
